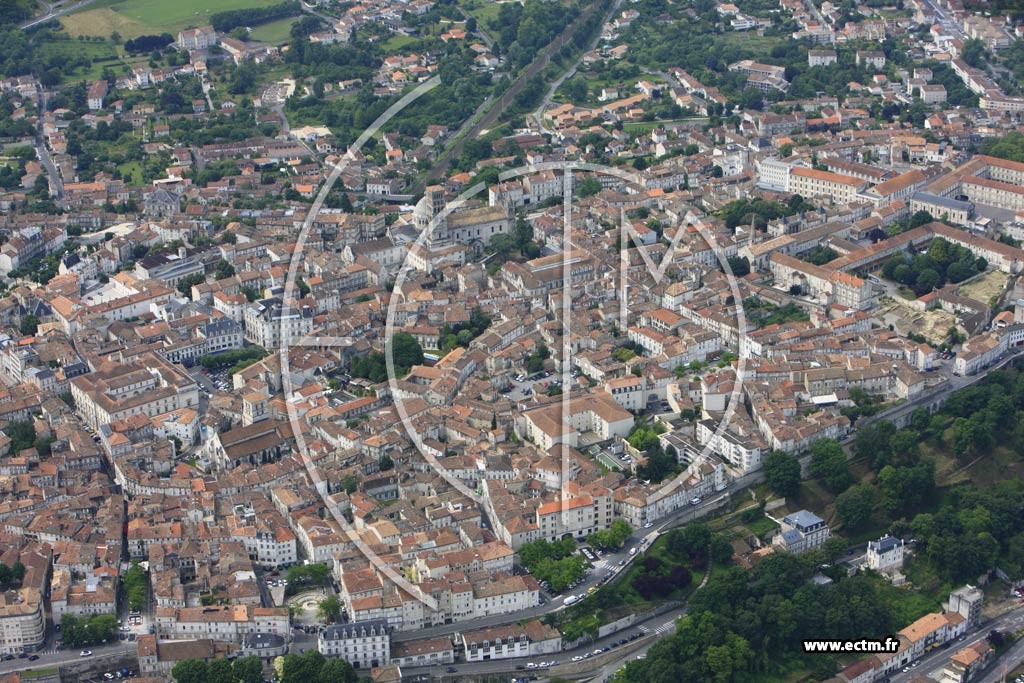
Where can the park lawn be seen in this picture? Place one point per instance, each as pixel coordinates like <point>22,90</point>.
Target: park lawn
<point>131,172</point>
<point>274,32</point>
<point>762,527</point>
<point>484,10</point>
<point>133,18</point>
<point>398,42</point>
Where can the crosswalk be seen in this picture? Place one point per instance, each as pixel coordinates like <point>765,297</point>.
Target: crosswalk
<point>667,626</point>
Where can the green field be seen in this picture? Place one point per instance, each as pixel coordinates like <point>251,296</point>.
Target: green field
<point>484,11</point>
<point>131,172</point>
<point>133,18</point>
<point>274,32</point>
<point>104,54</point>
<point>397,42</point>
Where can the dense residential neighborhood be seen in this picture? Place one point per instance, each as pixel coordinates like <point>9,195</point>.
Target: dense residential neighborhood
<point>455,340</point>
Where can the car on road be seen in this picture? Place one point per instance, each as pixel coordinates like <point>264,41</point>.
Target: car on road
<point>695,501</point>
<point>33,658</point>
<point>648,525</point>
<point>531,665</point>
<point>451,670</point>
<point>85,653</point>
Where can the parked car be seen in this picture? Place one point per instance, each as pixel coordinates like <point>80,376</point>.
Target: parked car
<point>85,653</point>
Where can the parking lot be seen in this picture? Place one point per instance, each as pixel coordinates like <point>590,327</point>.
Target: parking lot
<point>523,386</point>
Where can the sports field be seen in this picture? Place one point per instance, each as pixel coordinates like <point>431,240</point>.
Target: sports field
<point>274,32</point>
<point>133,18</point>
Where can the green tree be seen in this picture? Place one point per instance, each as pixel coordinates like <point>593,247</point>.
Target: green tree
<point>854,506</point>
<point>828,461</point>
<point>29,324</point>
<point>189,671</point>
<point>337,670</point>
<point>302,668</point>
<point>219,671</point>
<point>588,187</point>
<point>223,270</point>
<point>247,669</point>
<point>974,53</point>
<point>185,284</point>
<point>329,609</point>
<point>782,472</point>
<point>406,352</point>
<point>22,434</point>
<point>611,538</point>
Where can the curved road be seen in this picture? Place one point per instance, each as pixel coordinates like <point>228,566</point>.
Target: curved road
<point>53,14</point>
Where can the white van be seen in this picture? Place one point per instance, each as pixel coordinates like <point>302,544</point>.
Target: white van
<point>632,551</point>
<point>570,600</point>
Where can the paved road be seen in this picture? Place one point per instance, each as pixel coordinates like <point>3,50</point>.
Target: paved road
<point>946,21</point>
<point>100,655</point>
<point>934,662</point>
<point>954,383</point>
<point>546,102</point>
<point>661,625</point>
<point>51,14</point>
<point>56,184</point>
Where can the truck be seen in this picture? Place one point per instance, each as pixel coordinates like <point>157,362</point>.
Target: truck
<point>570,600</point>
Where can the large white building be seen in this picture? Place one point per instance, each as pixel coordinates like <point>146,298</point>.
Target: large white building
<point>885,554</point>
<point>364,645</point>
<point>800,532</point>
<point>220,622</point>
<point>271,324</point>
<point>150,386</point>
<point>597,413</point>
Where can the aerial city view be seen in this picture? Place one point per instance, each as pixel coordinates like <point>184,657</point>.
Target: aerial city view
<point>431,341</point>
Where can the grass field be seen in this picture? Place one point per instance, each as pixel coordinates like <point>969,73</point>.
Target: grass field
<point>103,54</point>
<point>483,10</point>
<point>133,18</point>
<point>274,32</point>
<point>984,287</point>
<point>131,172</point>
<point>397,42</point>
